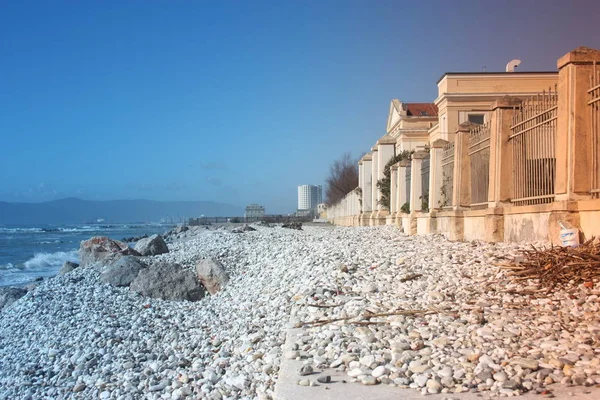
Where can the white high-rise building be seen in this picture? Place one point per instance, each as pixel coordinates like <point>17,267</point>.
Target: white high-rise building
<point>309,196</point>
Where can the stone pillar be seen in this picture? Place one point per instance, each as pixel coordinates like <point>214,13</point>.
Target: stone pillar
<point>573,134</point>
<point>416,189</point>
<point>365,183</point>
<point>393,188</point>
<point>435,173</point>
<point>501,157</point>
<point>360,174</point>
<point>461,198</point>
<point>374,174</point>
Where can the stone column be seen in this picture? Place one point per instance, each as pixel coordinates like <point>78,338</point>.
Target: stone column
<point>461,197</point>
<point>393,188</point>
<point>374,174</point>
<point>360,174</point>
<point>365,182</point>
<point>435,173</point>
<point>573,134</point>
<point>501,157</point>
<point>416,189</point>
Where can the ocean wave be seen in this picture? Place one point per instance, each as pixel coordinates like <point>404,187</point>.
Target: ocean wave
<point>68,229</point>
<point>8,267</point>
<point>45,260</point>
<point>21,230</point>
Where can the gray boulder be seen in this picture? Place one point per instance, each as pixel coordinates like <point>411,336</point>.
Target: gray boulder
<point>181,229</point>
<point>292,225</point>
<point>67,267</point>
<point>243,228</point>
<point>212,275</point>
<point>151,246</point>
<point>123,271</point>
<point>9,295</point>
<point>103,250</point>
<point>168,281</point>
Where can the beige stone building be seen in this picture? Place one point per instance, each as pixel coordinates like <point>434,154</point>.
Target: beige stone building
<point>499,156</point>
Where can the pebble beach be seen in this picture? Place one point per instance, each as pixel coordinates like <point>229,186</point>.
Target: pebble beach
<point>384,308</point>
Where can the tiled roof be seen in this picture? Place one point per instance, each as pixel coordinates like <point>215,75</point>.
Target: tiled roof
<point>421,109</point>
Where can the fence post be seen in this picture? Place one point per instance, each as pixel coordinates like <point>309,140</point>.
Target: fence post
<point>573,141</point>
<point>435,173</point>
<point>386,146</point>
<point>416,190</point>
<point>461,198</point>
<point>501,156</point>
<point>374,190</point>
<point>366,183</point>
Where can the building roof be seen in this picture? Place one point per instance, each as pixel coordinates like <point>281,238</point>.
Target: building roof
<point>420,109</point>
<point>499,73</point>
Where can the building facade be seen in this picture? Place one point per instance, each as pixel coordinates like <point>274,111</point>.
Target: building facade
<point>510,156</point>
<point>309,197</point>
<point>254,211</point>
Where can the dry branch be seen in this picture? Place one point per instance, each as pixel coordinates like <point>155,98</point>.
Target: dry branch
<point>558,266</point>
<point>410,277</point>
<point>367,317</point>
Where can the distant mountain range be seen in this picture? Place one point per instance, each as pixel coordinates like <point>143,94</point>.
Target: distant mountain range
<point>77,211</point>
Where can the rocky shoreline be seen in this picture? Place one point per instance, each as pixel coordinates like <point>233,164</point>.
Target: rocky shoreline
<point>382,307</point>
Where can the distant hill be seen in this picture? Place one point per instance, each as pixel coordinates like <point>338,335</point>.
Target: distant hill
<point>77,211</point>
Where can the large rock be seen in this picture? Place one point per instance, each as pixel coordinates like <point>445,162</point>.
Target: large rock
<point>243,228</point>
<point>181,229</point>
<point>123,271</point>
<point>212,275</point>
<point>151,246</point>
<point>67,267</point>
<point>169,282</point>
<point>292,225</point>
<point>104,250</point>
<point>9,295</point>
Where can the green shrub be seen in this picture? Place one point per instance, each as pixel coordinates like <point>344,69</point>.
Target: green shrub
<point>405,208</point>
<point>384,184</point>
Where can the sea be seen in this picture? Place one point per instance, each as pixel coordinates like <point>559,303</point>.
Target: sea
<point>30,252</point>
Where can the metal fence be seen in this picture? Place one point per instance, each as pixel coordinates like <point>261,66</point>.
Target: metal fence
<point>533,146</point>
<point>447,175</point>
<point>479,156</point>
<point>407,178</point>
<point>425,184</point>
<point>594,103</point>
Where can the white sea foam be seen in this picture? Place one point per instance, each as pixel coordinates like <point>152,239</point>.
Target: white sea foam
<point>7,267</point>
<point>20,230</point>
<point>45,260</point>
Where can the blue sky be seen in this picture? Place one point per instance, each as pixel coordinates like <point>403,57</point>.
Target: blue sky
<point>240,101</point>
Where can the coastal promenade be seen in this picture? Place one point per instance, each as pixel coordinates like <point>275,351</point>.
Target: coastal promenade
<point>394,316</point>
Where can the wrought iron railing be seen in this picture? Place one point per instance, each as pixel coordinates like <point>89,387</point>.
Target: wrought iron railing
<point>407,179</point>
<point>479,157</point>
<point>594,104</point>
<point>533,142</point>
<point>425,184</point>
<point>447,176</point>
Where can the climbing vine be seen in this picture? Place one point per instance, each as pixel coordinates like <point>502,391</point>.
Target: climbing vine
<point>384,183</point>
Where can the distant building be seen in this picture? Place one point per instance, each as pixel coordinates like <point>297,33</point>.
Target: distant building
<point>309,196</point>
<point>254,211</point>
<point>322,210</point>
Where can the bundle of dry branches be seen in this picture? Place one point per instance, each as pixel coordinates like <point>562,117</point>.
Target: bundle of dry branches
<point>558,266</point>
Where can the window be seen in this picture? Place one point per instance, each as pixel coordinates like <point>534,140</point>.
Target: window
<point>476,118</point>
